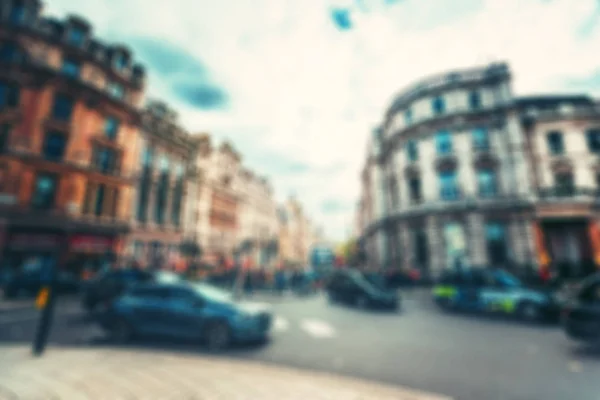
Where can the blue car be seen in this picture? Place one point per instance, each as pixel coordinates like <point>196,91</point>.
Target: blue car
<point>494,291</point>
<point>185,310</point>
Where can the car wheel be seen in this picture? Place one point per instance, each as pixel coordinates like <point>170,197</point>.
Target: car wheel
<point>331,297</point>
<point>121,332</point>
<point>90,306</point>
<point>530,312</point>
<point>217,336</point>
<point>362,302</point>
<point>444,303</point>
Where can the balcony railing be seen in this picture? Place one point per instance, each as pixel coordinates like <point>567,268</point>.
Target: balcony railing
<point>446,160</point>
<point>567,192</point>
<point>450,193</point>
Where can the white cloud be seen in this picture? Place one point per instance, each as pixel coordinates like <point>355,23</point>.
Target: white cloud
<point>303,89</point>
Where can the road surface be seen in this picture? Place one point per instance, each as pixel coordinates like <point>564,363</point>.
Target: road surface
<point>461,356</point>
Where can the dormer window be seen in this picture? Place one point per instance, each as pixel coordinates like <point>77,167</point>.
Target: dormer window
<point>474,100</point>
<point>71,67</point>
<point>408,117</point>
<point>115,90</point>
<point>9,52</point>
<point>18,13</point>
<point>438,105</point>
<point>76,36</point>
<point>120,61</point>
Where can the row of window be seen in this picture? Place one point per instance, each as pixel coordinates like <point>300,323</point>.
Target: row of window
<point>495,242</point>
<point>100,200</point>
<point>444,145</point>
<point>438,106</point>
<point>149,157</point>
<point>556,143</point>
<point>487,185</point>
<point>71,67</point>
<point>62,108</point>
<point>104,159</point>
<point>159,212</point>
<point>77,37</point>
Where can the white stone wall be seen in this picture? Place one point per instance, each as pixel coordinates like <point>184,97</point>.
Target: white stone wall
<point>576,151</point>
<point>456,101</point>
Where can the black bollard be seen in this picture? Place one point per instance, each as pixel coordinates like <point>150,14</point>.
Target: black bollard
<point>47,312</point>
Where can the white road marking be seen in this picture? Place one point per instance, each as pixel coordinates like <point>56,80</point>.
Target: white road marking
<point>318,329</point>
<point>280,324</point>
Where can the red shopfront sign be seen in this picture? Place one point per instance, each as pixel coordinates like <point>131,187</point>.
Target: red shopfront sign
<point>33,241</point>
<point>90,244</point>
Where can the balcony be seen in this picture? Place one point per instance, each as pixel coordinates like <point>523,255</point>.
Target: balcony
<point>558,193</point>
<point>446,160</point>
<point>451,193</point>
<point>412,169</point>
<point>561,164</point>
<point>416,200</point>
<point>484,156</point>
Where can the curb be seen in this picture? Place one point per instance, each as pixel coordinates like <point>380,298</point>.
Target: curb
<point>115,373</point>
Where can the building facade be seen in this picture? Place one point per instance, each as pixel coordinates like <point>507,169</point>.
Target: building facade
<point>217,202</point>
<point>164,178</point>
<point>68,127</point>
<point>257,218</point>
<point>296,234</point>
<point>464,172</point>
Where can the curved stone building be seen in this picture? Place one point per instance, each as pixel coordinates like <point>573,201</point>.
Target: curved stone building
<point>459,172</point>
<point>68,127</point>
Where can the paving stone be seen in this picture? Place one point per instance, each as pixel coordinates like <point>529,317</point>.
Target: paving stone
<point>112,374</point>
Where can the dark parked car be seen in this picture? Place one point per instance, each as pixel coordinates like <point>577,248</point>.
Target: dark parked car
<point>185,310</point>
<point>28,283</point>
<point>581,314</point>
<point>351,287</point>
<point>494,291</point>
<point>108,285</point>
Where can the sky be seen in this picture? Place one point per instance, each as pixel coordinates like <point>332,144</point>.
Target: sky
<point>298,86</point>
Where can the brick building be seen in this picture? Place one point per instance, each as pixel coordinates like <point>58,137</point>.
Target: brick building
<point>68,128</point>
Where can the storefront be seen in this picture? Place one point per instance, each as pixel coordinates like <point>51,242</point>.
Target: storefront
<point>74,254</point>
<point>566,247</point>
<point>88,254</point>
<point>24,249</point>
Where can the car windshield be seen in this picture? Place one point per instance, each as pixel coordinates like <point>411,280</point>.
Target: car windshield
<point>167,277</point>
<point>210,292</point>
<point>507,279</point>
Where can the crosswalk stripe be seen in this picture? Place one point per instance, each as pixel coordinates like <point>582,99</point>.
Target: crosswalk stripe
<point>280,324</point>
<point>318,329</point>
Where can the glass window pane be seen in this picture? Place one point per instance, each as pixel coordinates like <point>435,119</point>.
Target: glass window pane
<point>480,138</point>
<point>70,68</point>
<point>444,142</point>
<point>111,128</point>
<point>438,105</point>
<point>63,107</point>
<point>474,100</point>
<point>555,143</point>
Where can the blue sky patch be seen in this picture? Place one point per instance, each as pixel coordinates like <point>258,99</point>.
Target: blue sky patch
<point>341,18</point>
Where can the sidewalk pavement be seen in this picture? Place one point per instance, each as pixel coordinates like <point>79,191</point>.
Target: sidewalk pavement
<point>113,374</point>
